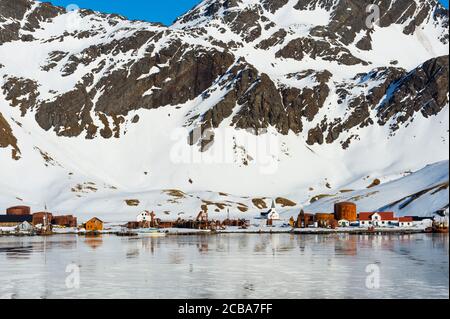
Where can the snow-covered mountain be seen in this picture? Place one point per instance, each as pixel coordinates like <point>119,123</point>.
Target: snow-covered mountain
<point>236,103</point>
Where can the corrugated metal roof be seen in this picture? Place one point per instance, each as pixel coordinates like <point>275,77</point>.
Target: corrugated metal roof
<point>16,219</point>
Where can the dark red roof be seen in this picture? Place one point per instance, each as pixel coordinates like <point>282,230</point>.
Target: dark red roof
<point>365,216</point>
<point>386,215</point>
<point>406,219</point>
<point>383,215</point>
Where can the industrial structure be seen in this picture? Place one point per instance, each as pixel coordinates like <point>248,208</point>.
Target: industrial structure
<point>346,215</point>
<point>18,211</point>
<point>345,211</point>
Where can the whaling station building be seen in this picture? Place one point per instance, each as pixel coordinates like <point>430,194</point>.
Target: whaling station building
<point>22,218</point>
<point>346,215</point>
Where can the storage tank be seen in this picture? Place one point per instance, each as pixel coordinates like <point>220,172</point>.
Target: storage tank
<point>345,210</point>
<point>66,221</point>
<point>18,211</point>
<point>324,217</point>
<point>38,218</point>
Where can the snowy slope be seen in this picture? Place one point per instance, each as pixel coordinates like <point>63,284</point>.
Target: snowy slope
<point>85,175</point>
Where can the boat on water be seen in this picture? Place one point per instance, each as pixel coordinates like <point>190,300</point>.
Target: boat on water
<point>158,234</point>
<point>147,230</point>
<point>150,232</point>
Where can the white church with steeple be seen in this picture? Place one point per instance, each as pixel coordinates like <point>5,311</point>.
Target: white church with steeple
<point>271,213</point>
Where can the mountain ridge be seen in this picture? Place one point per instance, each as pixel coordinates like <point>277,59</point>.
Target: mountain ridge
<point>309,74</point>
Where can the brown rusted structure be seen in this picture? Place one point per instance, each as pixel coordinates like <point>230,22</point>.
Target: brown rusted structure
<point>324,220</point>
<point>165,224</point>
<point>304,220</point>
<point>202,220</point>
<point>42,218</point>
<point>236,223</point>
<point>94,224</point>
<point>65,221</point>
<point>133,225</point>
<point>345,210</point>
<point>18,211</point>
<point>333,224</point>
<point>153,223</point>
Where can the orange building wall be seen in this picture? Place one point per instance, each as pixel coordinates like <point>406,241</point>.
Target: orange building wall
<point>94,225</point>
<point>345,211</point>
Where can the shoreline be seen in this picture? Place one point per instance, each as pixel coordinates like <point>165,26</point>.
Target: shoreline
<point>193,232</point>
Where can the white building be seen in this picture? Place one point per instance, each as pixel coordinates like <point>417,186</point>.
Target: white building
<point>405,222</point>
<point>271,214</point>
<point>344,223</point>
<point>145,216</point>
<point>379,219</point>
<point>424,223</point>
<point>24,227</point>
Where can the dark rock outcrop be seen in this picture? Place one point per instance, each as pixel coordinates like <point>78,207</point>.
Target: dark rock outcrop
<point>7,138</point>
<point>154,66</point>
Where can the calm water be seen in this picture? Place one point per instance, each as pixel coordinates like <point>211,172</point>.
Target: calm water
<point>226,266</point>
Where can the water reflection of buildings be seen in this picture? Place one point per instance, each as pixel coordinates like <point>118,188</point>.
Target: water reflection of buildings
<point>276,243</point>
<point>378,242</point>
<point>150,244</point>
<point>440,241</point>
<point>24,248</point>
<point>260,244</point>
<point>17,252</point>
<point>138,245</point>
<point>203,244</point>
<point>346,245</point>
<point>94,241</point>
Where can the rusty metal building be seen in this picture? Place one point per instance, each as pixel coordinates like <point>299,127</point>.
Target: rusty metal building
<point>165,224</point>
<point>236,223</point>
<point>38,218</point>
<point>65,221</point>
<point>304,220</point>
<point>18,211</point>
<point>345,210</point>
<point>325,220</point>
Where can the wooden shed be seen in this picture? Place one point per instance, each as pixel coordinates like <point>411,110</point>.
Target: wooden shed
<point>94,224</point>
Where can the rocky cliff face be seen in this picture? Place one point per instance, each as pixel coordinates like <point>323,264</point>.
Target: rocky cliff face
<point>120,66</point>
<point>328,72</point>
